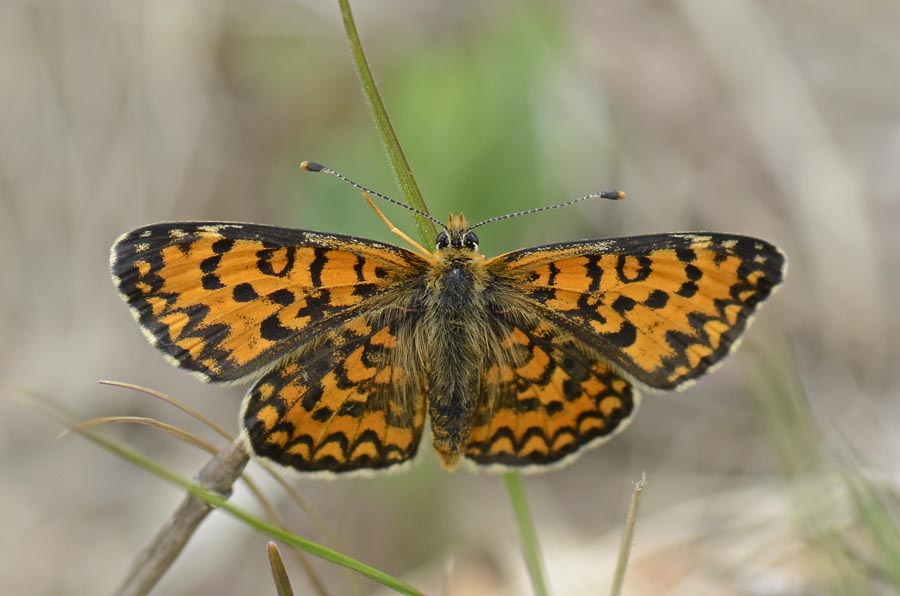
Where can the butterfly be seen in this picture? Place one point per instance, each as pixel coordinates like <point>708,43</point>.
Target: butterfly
<point>522,360</point>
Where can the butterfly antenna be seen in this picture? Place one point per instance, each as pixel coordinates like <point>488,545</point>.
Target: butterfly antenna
<point>612,195</point>
<point>311,166</point>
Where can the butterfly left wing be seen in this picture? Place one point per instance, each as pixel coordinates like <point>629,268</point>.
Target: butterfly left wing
<point>545,397</point>
<point>352,402</point>
<point>227,301</point>
<point>662,308</point>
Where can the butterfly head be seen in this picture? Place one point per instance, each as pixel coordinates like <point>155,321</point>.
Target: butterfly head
<point>457,236</point>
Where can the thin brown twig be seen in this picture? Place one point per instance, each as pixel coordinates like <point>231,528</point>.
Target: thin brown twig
<point>627,536</point>
<point>193,413</point>
<point>218,475</point>
<point>271,513</point>
<point>169,428</point>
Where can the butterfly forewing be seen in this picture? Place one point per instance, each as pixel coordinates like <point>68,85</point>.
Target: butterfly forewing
<point>227,301</point>
<point>663,308</point>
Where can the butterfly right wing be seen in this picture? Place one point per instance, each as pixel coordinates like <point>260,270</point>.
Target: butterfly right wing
<point>663,308</point>
<point>228,300</point>
<point>544,398</point>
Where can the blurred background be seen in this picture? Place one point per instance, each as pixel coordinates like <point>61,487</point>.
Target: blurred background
<point>775,475</point>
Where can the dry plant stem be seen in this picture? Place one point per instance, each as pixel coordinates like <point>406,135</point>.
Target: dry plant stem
<point>279,573</point>
<point>218,475</point>
<point>627,537</point>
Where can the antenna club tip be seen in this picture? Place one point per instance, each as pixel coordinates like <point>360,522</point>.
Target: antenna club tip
<point>311,166</point>
<point>613,195</point>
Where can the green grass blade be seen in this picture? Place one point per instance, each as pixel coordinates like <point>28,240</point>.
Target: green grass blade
<point>400,165</point>
<point>530,545</point>
<point>876,509</point>
<point>797,440</point>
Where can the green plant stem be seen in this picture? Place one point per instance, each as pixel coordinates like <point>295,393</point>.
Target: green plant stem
<point>427,234</point>
<point>627,537</point>
<point>397,158</point>
<point>530,545</point>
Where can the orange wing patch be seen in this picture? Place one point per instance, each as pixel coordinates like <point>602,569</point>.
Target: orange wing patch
<point>348,405</point>
<point>548,399</point>
<point>228,300</point>
<point>664,308</point>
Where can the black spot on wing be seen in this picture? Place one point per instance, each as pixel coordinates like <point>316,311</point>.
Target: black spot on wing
<point>555,407</point>
<point>657,299</point>
<point>282,297</point>
<point>272,329</point>
<point>624,337</point>
<point>317,265</point>
<point>210,264</point>
<point>571,390</point>
<point>318,301</point>
<point>685,254</point>
<point>244,292</point>
<point>211,281</point>
<point>554,271</point>
<point>222,246</point>
<point>594,273</point>
<point>542,294</point>
<point>623,304</point>
<point>358,269</point>
<point>687,289</point>
<point>322,414</point>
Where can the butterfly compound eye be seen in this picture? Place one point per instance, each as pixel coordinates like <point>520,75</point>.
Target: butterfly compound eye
<point>470,241</point>
<point>443,241</point>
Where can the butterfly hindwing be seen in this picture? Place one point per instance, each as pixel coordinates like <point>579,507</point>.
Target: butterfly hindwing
<point>663,308</point>
<point>228,301</point>
<point>349,403</point>
<point>546,398</point>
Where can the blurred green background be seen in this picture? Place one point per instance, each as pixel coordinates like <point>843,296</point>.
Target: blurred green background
<point>776,475</point>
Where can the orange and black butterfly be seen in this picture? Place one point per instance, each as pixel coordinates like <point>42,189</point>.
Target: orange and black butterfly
<point>519,361</point>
